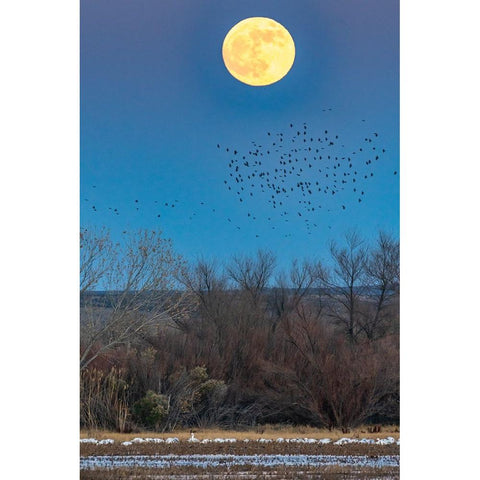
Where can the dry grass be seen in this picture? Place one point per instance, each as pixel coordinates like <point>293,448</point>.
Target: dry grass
<point>267,431</point>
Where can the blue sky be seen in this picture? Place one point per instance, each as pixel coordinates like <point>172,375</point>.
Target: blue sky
<point>156,99</point>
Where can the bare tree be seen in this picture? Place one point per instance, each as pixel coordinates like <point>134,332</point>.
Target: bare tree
<point>344,283</point>
<point>293,286</point>
<point>140,290</point>
<point>295,291</point>
<point>97,252</point>
<point>208,286</point>
<point>213,321</point>
<point>383,277</point>
<point>340,382</point>
<point>252,273</point>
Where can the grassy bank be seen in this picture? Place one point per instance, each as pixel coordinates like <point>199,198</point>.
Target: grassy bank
<point>268,432</point>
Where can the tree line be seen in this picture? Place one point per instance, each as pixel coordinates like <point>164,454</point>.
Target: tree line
<point>166,343</point>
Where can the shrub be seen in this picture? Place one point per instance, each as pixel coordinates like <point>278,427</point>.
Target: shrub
<point>151,410</point>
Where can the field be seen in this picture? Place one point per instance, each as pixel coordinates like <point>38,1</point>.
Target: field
<point>271,452</point>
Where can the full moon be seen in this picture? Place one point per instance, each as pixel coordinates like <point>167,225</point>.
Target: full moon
<point>258,51</point>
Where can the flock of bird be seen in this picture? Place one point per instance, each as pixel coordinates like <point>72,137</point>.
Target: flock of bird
<point>137,204</point>
<point>298,173</point>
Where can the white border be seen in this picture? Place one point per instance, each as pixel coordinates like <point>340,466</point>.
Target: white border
<point>39,244</point>
<point>439,239</point>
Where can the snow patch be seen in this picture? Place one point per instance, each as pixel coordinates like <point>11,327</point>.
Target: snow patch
<point>172,440</point>
<point>344,440</point>
<point>192,439</point>
<point>139,440</point>
<point>88,440</point>
<point>385,441</point>
<point>368,441</point>
<point>204,461</point>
